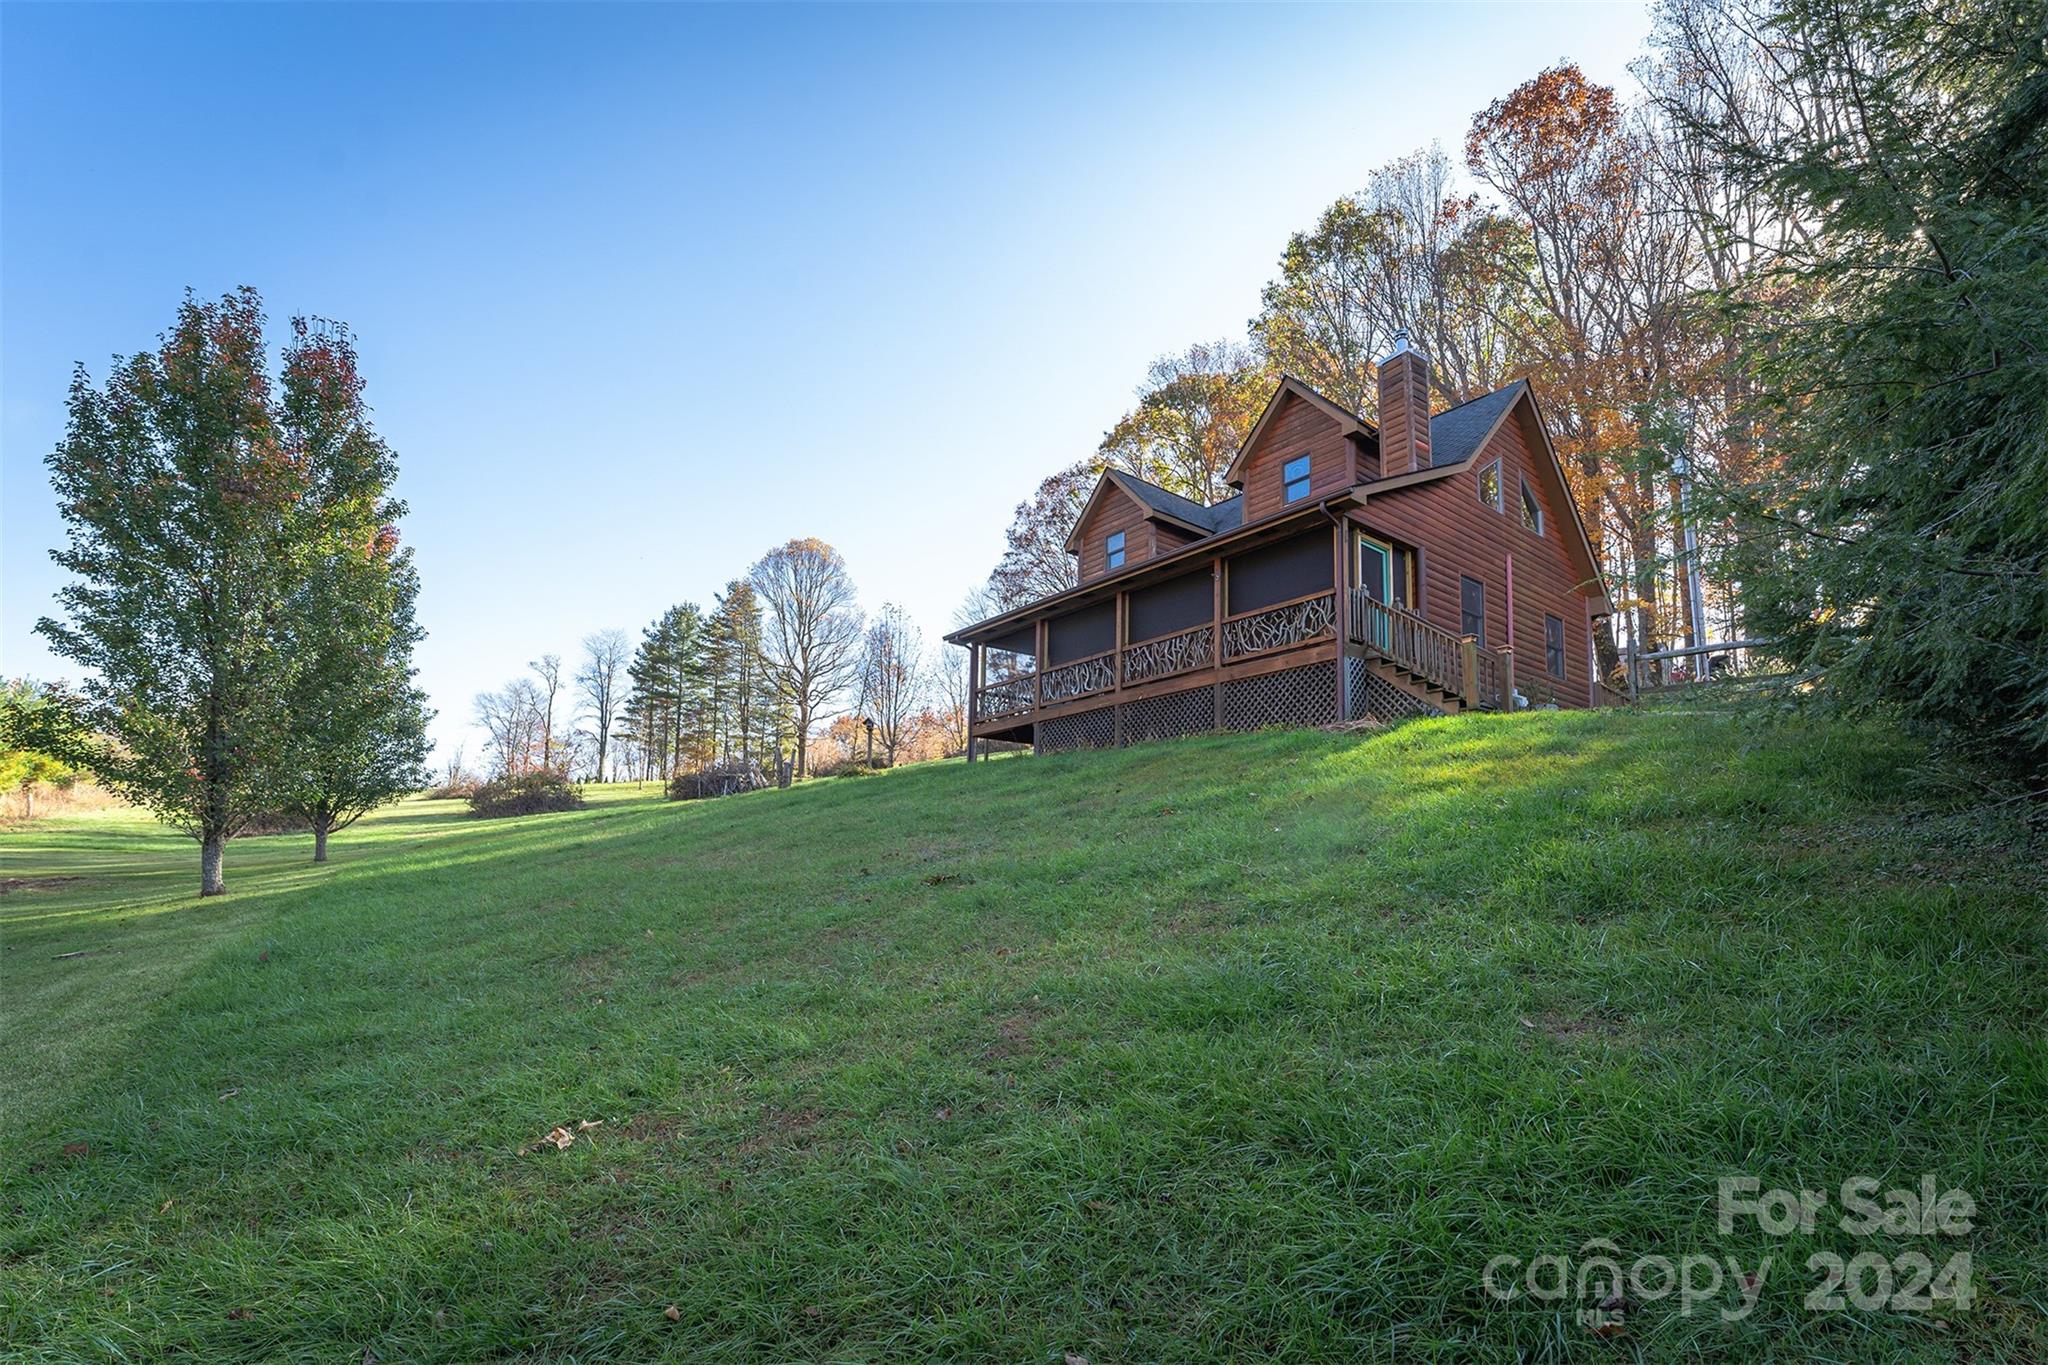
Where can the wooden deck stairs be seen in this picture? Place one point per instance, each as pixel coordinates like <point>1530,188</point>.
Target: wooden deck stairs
<point>1451,673</point>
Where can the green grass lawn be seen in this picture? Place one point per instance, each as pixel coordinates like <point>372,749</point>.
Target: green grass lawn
<point>1227,1048</point>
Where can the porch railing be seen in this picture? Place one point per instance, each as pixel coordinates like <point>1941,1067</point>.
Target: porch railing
<point>1165,655</point>
<point>1453,664</point>
<point>1280,627</point>
<point>1078,679</point>
<point>1408,642</point>
<point>1487,681</point>
<point>1009,696</point>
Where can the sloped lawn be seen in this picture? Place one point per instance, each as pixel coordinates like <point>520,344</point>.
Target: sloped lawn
<point>1228,1048</point>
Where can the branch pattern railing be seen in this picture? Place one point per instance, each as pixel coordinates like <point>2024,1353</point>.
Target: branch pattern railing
<point>1078,679</point>
<point>1280,627</point>
<point>1009,696</point>
<point>1169,654</point>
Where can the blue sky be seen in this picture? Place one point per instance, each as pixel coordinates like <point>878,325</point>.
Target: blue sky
<point>643,291</point>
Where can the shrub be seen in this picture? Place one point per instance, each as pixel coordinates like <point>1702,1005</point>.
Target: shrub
<point>459,790</point>
<point>723,779</point>
<point>526,794</point>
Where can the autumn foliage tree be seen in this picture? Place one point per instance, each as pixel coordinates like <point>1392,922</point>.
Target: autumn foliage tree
<point>356,736</point>
<point>199,502</point>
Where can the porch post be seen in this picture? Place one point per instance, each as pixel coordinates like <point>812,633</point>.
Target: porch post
<point>1216,636</point>
<point>1340,578</point>
<point>1471,670</point>
<point>973,695</point>
<point>1507,680</point>
<point>1038,638</point>
<point>1116,662</point>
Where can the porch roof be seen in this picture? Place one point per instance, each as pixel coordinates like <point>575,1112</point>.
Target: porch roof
<point>1242,537</point>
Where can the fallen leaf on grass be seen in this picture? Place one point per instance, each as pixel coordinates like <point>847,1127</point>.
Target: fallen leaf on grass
<point>672,1313</point>
<point>941,878</point>
<point>942,1114</point>
<point>237,1314</point>
<point>230,1094</point>
<point>78,1149</point>
<point>561,1137</point>
<point>165,1207</point>
<point>1098,1206</point>
<point>814,1312</point>
<point>1073,1359</point>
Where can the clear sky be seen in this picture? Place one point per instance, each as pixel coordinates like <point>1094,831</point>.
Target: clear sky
<point>644,291</point>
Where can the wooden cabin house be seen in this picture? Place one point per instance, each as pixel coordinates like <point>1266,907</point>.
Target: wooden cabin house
<point>1427,566</point>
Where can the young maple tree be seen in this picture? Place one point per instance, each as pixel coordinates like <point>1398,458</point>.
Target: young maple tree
<point>200,506</point>
<point>357,724</point>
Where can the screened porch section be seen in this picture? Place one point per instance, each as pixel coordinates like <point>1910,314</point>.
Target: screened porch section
<point>1225,642</point>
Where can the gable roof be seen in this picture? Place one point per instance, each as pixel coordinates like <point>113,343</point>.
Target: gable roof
<point>1162,504</point>
<point>1456,434</point>
<point>1348,422</point>
<point>1156,502</point>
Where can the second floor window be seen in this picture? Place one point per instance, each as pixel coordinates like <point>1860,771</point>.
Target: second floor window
<point>1553,646</point>
<point>1115,546</point>
<point>1295,474</point>
<point>1532,511</point>
<point>1489,486</point>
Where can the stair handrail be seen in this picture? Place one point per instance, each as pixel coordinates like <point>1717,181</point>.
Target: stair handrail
<point>1408,642</point>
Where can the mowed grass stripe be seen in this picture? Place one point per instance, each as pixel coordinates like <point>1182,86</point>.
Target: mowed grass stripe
<point>1241,1046</point>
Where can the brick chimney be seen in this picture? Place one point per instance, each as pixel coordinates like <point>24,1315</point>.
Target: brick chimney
<point>1404,409</point>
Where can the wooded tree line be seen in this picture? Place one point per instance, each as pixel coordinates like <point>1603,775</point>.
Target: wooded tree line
<point>241,596</point>
<point>1786,297</point>
<point>781,652</point>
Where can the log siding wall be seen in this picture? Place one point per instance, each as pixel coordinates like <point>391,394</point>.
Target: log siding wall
<point>1462,537</point>
<point>1297,429</point>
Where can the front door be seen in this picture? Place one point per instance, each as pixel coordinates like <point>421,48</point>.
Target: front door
<point>1376,576</point>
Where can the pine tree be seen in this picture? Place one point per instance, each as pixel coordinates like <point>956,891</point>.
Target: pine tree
<point>1900,548</point>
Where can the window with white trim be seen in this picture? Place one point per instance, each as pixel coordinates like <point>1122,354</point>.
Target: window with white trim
<point>1489,485</point>
<point>1295,475</point>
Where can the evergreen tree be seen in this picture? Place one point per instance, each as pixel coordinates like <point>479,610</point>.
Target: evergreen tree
<point>1900,548</point>
<point>667,707</point>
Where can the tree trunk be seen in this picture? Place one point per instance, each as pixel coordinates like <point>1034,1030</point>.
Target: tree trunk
<point>212,845</point>
<point>319,841</point>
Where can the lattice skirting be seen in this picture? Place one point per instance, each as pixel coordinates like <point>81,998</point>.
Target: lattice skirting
<point>1192,712</point>
<point>1083,730</point>
<point>1372,695</point>
<point>1294,696</point>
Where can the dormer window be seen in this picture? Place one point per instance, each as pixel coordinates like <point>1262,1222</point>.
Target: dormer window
<point>1532,511</point>
<point>1115,548</point>
<point>1489,486</point>
<point>1295,475</point>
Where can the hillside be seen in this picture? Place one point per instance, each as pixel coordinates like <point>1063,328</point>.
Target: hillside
<point>1231,1047</point>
